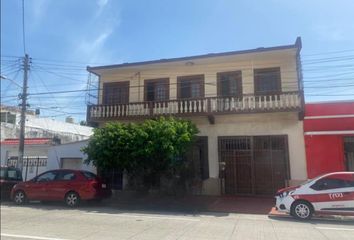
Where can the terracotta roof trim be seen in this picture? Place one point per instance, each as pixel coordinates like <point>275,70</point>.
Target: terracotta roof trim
<point>28,141</point>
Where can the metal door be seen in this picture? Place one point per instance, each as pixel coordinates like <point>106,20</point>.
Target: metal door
<point>254,164</point>
<point>237,155</point>
<point>270,164</point>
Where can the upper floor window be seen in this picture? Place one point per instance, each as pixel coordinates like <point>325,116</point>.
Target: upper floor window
<point>116,93</point>
<point>190,86</point>
<point>267,81</point>
<point>157,89</point>
<point>229,84</point>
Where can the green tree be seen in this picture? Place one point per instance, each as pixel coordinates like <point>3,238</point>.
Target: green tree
<point>146,151</point>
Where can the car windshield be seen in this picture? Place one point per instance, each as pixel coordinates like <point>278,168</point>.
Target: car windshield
<point>312,179</point>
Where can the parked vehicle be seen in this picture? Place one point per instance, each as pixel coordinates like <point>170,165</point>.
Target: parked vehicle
<point>9,176</point>
<point>332,193</point>
<point>67,185</point>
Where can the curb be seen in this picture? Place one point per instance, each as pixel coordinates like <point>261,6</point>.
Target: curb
<point>276,214</point>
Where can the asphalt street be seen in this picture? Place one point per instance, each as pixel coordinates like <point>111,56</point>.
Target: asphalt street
<point>56,222</point>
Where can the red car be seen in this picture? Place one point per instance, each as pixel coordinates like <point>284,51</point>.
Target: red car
<point>72,186</point>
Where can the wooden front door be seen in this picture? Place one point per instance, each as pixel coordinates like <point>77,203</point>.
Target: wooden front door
<point>254,165</point>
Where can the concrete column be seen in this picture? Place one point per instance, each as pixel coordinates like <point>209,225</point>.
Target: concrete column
<point>211,186</point>
<point>210,84</point>
<point>213,156</point>
<point>173,87</point>
<point>297,155</point>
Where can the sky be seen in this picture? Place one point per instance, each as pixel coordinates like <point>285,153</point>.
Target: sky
<point>62,37</point>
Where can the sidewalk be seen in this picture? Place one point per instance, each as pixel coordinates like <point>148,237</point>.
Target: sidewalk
<point>229,204</point>
<point>214,204</point>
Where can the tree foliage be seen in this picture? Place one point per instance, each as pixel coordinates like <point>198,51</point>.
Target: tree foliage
<point>148,150</point>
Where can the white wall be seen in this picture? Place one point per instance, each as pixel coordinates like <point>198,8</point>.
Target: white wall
<point>30,150</point>
<point>69,150</point>
<point>54,154</point>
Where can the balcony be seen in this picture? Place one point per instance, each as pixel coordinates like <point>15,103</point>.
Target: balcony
<point>208,106</point>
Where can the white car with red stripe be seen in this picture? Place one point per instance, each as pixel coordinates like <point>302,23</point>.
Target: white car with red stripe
<point>332,193</point>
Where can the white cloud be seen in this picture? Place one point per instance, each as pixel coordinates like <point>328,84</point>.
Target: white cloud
<point>100,40</point>
<point>93,45</point>
<point>37,11</point>
<point>102,3</point>
<point>92,49</point>
<point>101,6</point>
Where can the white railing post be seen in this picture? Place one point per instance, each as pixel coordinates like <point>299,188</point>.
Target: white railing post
<point>103,114</point>
<point>287,100</point>
<point>281,100</point>
<point>260,102</point>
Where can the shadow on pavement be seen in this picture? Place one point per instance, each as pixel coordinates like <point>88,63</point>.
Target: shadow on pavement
<point>107,207</point>
<point>218,206</point>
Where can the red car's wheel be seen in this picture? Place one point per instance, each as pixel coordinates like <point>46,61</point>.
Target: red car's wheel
<point>72,199</point>
<point>20,197</point>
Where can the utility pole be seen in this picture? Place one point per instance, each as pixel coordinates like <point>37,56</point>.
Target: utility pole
<point>23,97</point>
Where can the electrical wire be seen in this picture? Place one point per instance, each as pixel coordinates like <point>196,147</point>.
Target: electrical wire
<point>314,75</point>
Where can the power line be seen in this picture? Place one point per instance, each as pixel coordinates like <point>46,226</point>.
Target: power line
<point>9,56</point>
<point>60,70</point>
<point>135,86</point>
<point>329,95</point>
<point>328,53</point>
<point>130,77</point>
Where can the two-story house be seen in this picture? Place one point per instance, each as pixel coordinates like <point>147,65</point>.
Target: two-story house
<point>248,106</point>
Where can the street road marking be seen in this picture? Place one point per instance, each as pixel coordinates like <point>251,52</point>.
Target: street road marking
<point>30,237</point>
<point>338,229</point>
<point>144,216</point>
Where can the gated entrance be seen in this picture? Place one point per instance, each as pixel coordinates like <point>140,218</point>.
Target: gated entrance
<point>256,165</point>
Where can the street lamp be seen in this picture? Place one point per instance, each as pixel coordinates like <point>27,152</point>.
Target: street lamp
<point>13,81</point>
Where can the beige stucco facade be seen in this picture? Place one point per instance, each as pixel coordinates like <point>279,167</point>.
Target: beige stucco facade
<point>244,124</point>
<point>285,59</point>
<point>262,124</point>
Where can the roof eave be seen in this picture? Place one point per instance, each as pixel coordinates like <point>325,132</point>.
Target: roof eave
<point>297,45</point>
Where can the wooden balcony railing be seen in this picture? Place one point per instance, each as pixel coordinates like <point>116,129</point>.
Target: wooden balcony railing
<point>287,101</point>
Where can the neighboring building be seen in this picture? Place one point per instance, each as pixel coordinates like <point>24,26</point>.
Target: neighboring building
<point>35,159</point>
<point>69,156</point>
<point>42,154</point>
<point>37,127</point>
<point>329,137</point>
<point>248,106</point>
